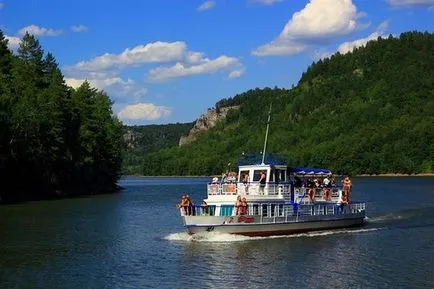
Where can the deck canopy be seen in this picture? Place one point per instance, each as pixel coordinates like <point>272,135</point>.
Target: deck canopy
<point>309,171</point>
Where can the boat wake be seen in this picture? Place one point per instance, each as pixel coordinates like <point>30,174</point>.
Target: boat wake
<point>412,214</point>
<point>384,218</point>
<point>221,238</point>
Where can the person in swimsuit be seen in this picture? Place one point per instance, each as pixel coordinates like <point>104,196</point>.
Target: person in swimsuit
<point>238,206</point>
<point>347,189</point>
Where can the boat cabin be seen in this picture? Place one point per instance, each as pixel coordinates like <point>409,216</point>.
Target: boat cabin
<point>257,181</point>
<point>273,182</point>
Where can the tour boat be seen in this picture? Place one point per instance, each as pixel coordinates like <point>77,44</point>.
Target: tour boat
<point>279,200</point>
<point>280,206</point>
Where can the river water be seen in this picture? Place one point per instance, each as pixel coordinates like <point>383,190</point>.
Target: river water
<point>134,239</point>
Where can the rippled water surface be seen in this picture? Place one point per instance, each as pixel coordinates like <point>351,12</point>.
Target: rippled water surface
<point>135,240</point>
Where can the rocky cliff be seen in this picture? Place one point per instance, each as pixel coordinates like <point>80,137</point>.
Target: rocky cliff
<point>205,122</point>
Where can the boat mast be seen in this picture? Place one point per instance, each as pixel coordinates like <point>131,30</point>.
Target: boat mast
<point>266,136</point>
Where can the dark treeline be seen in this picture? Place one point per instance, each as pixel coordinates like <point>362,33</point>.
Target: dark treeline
<point>54,140</point>
<point>370,111</point>
<point>142,140</point>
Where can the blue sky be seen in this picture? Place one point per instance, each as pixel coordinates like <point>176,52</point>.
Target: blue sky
<point>167,61</point>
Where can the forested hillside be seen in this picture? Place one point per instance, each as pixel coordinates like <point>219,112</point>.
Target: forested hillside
<point>366,112</point>
<point>145,139</point>
<point>54,140</point>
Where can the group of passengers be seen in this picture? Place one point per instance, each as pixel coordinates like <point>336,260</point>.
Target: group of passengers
<point>186,204</point>
<point>314,182</point>
<point>241,206</point>
<point>188,208</point>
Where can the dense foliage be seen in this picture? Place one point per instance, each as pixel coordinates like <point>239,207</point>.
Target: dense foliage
<point>366,112</point>
<point>54,140</point>
<point>145,139</point>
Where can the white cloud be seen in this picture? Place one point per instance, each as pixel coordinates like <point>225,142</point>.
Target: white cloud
<point>206,66</point>
<point>410,2</point>
<point>319,54</point>
<point>206,6</point>
<point>194,57</point>
<point>236,73</point>
<point>13,42</point>
<point>186,62</point>
<point>115,86</point>
<point>266,2</point>
<point>319,20</point>
<point>322,19</point>
<point>79,28</point>
<point>141,54</point>
<point>350,45</point>
<point>104,72</point>
<point>39,31</point>
<point>144,111</point>
<point>279,47</point>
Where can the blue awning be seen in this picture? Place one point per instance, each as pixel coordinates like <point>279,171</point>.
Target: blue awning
<point>310,171</point>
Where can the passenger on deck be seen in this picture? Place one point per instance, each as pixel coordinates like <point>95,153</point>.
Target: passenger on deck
<point>246,180</point>
<point>214,185</point>
<point>342,201</point>
<point>347,189</point>
<point>262,181</point>
<point>184,204</point>
<point>205,208</point>
<point>238,206</point>
<point>326,182</point>
<point>189,205</point>
<point>243,206</point>
<point>311,194</point>
<point>179,204</point>
<point>316,183</point>
<point>327,194</point>
<point>225,176</point>
<point>297,182</point>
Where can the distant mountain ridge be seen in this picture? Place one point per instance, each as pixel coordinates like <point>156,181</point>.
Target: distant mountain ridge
<point>142,140</point>
<point>205,122</point>
<point>370,111</point>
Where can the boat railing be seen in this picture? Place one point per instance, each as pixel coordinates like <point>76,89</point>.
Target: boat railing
<point>320,194</point>
<point>198,210</point>
<point>276,212</point>
<point>251,188</point>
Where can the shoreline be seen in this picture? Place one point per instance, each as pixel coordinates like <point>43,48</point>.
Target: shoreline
<point>362,175</point>
<point>398,175</point>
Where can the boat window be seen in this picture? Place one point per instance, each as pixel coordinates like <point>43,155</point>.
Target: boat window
<point>255,209</point>
<point>279,176</point>
<point>283,176</point>
<point>265,210</point>
<point>281,211</point>
<point>273,210</point>
<point>257,175</point>
<point>242,173</point>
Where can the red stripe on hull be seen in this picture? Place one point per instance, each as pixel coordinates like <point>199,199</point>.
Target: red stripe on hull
<point>291,231</point>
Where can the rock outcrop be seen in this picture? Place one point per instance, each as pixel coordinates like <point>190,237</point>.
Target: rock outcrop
<point>205,122</point>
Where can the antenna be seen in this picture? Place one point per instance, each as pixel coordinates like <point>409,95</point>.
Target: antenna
<point>266,136</point>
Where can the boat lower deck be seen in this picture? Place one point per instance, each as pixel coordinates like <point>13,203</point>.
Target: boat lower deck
<point>276,219</point>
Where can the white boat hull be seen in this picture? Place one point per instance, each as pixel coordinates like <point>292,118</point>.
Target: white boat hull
<point>250,225</point>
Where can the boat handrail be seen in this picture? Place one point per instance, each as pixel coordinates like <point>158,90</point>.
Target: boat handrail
<point>272,210</point>
<point>251,188</point>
